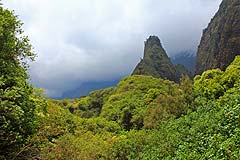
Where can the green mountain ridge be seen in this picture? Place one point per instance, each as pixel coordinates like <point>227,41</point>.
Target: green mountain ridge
<point>156,62</point>
<point>146,116</point>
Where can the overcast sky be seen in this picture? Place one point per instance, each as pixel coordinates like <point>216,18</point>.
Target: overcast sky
<point>101,40</point>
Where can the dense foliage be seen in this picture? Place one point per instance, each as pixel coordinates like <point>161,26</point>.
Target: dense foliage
<point>17,103</point>
<point>147,118</point>
<point>141,118</point>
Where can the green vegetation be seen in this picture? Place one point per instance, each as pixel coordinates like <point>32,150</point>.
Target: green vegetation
<point>17,101</point>
<point>147,118</point>
<point>142,118</point>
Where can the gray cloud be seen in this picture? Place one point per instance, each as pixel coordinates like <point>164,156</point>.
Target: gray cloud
<point>92,40</point>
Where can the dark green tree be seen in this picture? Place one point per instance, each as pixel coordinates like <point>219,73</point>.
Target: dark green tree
<point>16,104</point>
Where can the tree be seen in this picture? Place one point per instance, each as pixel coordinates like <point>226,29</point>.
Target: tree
<point>16,104</point>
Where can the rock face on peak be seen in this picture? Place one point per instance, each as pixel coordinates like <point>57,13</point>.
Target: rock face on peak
<point>220,42</point>
<point>155,62</point>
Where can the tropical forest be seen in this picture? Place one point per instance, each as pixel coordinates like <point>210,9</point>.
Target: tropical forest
<point>160,111</point>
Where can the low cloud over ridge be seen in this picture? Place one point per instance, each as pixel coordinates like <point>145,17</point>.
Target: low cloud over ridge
<point>92,40</point>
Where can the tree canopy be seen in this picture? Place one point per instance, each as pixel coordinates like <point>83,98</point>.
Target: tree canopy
<point>16,104</point>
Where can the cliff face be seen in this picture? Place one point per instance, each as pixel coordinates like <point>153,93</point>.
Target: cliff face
<point>220,42</point>
<point>155,62</point>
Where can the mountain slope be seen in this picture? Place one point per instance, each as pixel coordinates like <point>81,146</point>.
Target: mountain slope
<point>163,121</point>
<point>187,59</point>
<point>220,42</point>
<point>155,62</point>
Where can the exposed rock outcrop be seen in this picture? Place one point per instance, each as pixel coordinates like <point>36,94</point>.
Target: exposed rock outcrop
<point>220,42</point>
<point>155,62</point>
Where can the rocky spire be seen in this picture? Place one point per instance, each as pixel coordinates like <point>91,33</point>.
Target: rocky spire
<point>155,62</point>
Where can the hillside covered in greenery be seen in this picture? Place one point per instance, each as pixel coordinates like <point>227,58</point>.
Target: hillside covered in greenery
<point>148,118</point>
<point>142,118</point>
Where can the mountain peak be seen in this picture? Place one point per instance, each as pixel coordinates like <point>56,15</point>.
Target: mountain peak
<point>155,62</point>
<point>153,40</point>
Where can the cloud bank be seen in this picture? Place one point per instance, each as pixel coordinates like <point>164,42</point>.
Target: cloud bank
<point>93,40</point>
